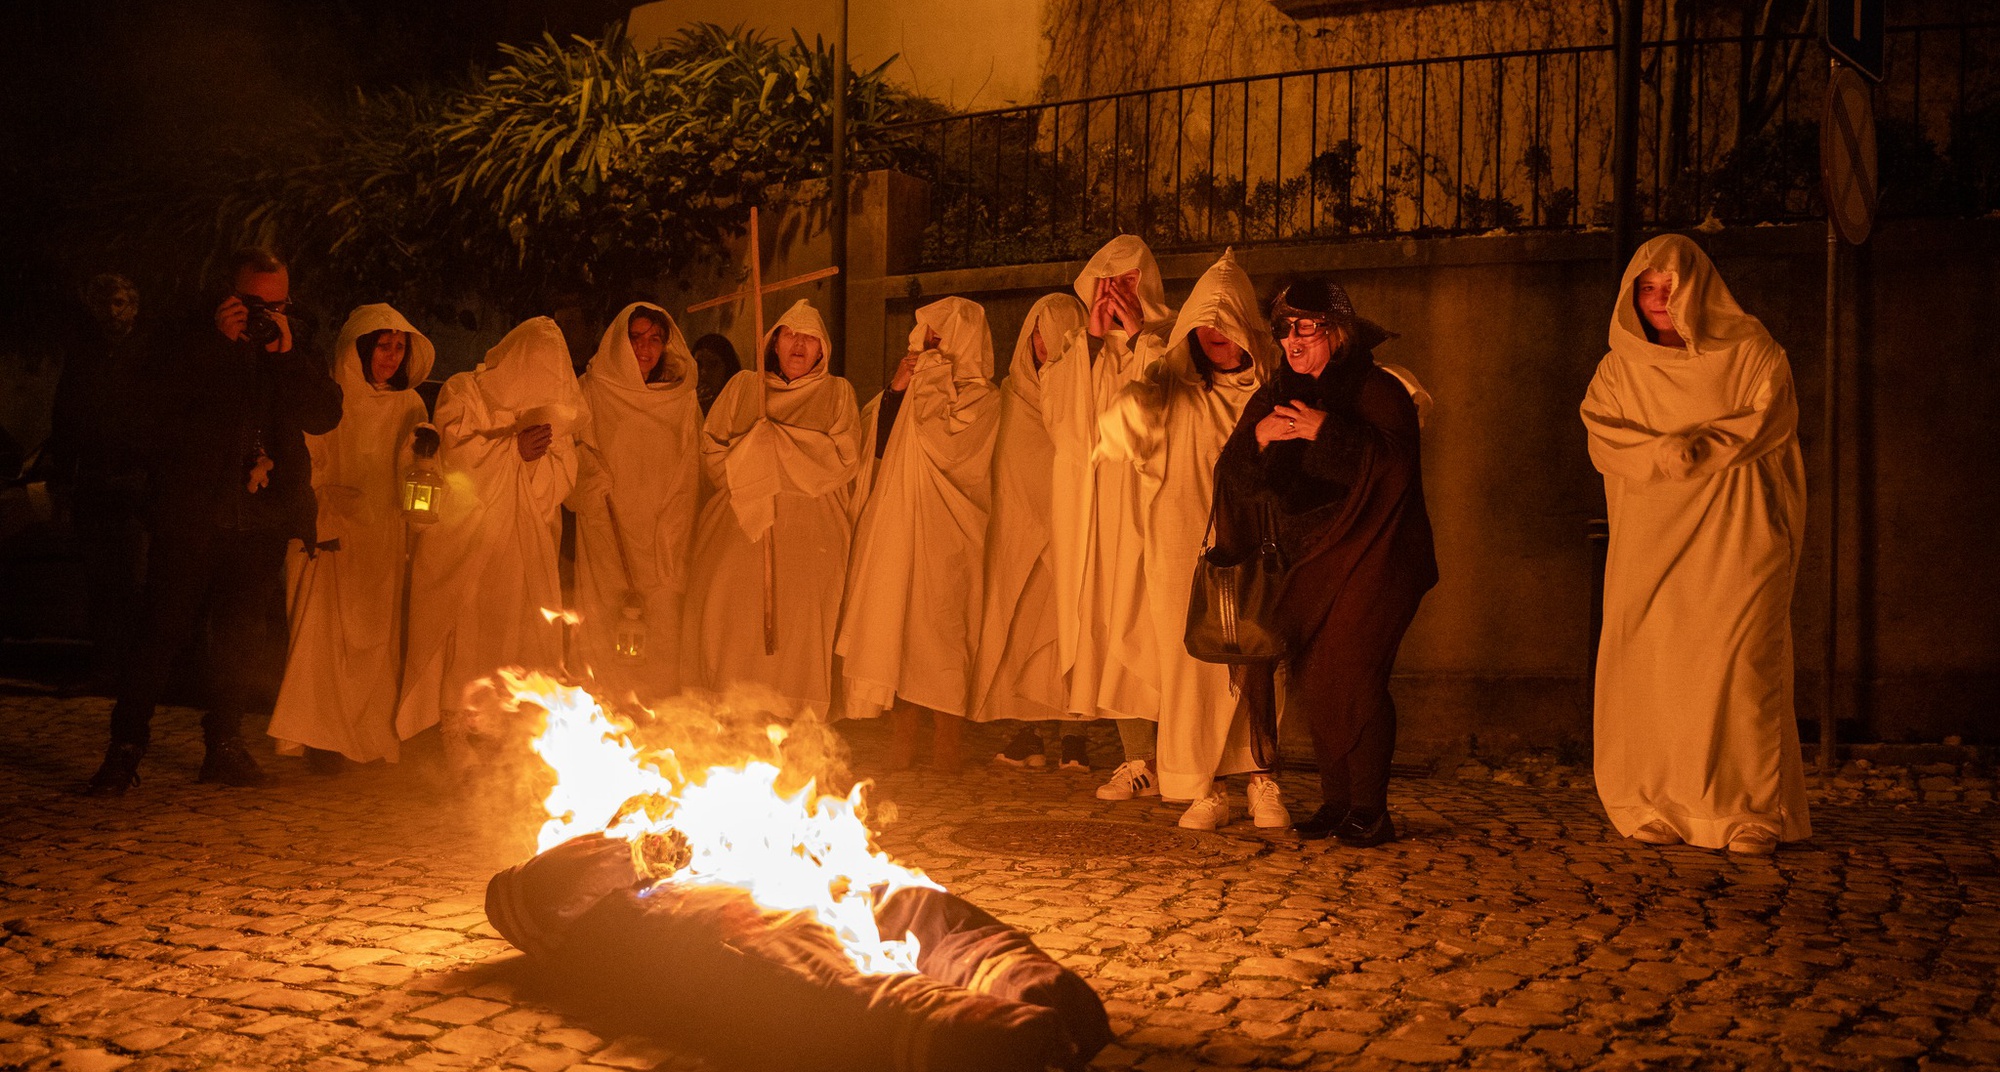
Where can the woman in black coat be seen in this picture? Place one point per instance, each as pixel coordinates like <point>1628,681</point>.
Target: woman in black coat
<point>1328,451</point>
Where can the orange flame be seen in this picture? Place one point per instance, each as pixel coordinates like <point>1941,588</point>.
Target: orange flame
<point>799,851</point>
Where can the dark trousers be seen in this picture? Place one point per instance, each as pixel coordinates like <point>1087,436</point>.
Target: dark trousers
<point>111,539</point>
<point>1340,685</point>
<point>236,578</point>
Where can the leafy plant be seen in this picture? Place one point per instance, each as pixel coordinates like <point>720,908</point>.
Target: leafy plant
<point>590,167</point>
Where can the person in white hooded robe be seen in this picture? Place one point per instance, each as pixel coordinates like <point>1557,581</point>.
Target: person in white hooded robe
<point>1170,426</point>
<point>1016,673</point>
<point>914,583</point>
<point>486,571</point>
<point>1107,644</point>
<point>1693,421</point>
<point>783,468</point>
<point>338,697</point>
<point>640,468</point>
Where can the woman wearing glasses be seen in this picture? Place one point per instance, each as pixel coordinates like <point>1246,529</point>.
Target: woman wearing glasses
<point>1328,449</point>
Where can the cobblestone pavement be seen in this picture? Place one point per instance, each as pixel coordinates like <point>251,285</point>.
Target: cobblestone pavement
<point>330,925</point>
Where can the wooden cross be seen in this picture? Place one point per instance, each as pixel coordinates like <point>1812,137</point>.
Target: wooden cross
<point>755,292</point>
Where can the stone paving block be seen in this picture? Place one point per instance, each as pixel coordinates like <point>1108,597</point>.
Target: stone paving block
<point>544,1058</point>
<point>1565,1044</point>
<point>1416,1053</point>
<point>463,1010</point>
<point>409,1029</point>
<point>1233,1054</point>
<point>270,1025</point>
<point>287,998</point>
<point>1275,968</point>
<point>330,1063</point>
<point>473,1041</point>
<point>634,1053</point>
<point>1490,1036</point>
<point>341,960</point>
<point>1184,1019</point>
<point>18,1052</point>
<point>83,1060</point>
<point>574,1038</point>
<point>1262,1010</point>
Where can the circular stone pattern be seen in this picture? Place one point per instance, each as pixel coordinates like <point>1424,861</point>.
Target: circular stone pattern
<point>1076,839</point>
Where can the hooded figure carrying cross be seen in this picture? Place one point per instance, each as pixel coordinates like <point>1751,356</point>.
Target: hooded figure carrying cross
<point>782,445</point>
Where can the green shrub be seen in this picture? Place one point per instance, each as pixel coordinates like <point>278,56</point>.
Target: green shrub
<point>588,167</point>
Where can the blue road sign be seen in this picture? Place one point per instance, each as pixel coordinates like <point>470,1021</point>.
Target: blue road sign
<point>1852,31</point>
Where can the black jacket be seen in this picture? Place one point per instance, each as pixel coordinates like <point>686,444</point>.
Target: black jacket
<point>100,405</point>
<point>215,405</point>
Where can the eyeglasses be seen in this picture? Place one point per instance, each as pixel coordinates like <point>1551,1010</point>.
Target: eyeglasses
<point>1304,327</point>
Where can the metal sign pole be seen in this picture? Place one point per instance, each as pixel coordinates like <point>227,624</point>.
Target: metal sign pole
<point>1848,175</point>
<point>1830,432</point>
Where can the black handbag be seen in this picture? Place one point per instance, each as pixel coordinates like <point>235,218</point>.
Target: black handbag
<point>1233,610</point>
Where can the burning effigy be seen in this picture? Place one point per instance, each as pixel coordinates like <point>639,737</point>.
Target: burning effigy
<point>692,881</point>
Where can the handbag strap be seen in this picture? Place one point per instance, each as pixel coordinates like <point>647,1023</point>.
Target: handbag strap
<point>1208,534</point>
<point>1267,538</point>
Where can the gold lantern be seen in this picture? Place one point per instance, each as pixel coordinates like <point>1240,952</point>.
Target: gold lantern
<point>423,485</point>
<point>423,492</point>
<point>628,640</point>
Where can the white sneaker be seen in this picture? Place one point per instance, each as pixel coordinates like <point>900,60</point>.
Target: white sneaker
<point>1131,779</point>
<point>1267,804</point>
<point>1657,832</point>
<point>1753,841</point>
<point>1209,812</point>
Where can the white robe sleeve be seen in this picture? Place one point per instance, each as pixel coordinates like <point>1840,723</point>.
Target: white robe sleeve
<point>1132,428</point>
<point>1764,419</point>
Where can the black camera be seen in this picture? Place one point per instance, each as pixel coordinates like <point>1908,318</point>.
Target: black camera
<point>260,327</point>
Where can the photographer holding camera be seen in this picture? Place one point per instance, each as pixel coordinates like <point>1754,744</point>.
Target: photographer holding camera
<point>231,484</point>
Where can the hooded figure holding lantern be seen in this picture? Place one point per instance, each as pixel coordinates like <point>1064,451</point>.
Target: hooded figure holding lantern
<point>339,693</point>
<point>485,572</point>
<point>635,499</point>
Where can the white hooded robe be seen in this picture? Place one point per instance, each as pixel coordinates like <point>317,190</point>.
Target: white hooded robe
<point>641,451</point>
<point>1169,427</point>
<point>790,474</point>
<point>1016,672</point>
<point>1105,633</point>
<point>339,689</point>
<point>914,585</point>
<point>487,569</point>
<point>1706,486</point>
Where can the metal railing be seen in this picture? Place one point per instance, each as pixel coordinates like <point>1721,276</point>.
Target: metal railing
<point>1466,144</point>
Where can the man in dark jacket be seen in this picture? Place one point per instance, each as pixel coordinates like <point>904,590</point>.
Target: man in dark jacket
<point>231,483</point>
<point>93,464</point>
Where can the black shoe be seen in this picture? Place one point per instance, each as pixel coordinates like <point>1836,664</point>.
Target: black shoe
<point>1075,752</point>
<point>1025,750</point>
<point>229,762</point>
<point>119,772</point>
<point>1322,823</point>
<point>1361,831</point>
<point>324,763</point>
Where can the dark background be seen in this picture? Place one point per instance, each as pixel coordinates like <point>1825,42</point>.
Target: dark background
<point>94,89</point>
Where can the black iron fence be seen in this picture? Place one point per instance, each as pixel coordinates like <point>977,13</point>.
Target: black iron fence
<point>1466,144</point>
